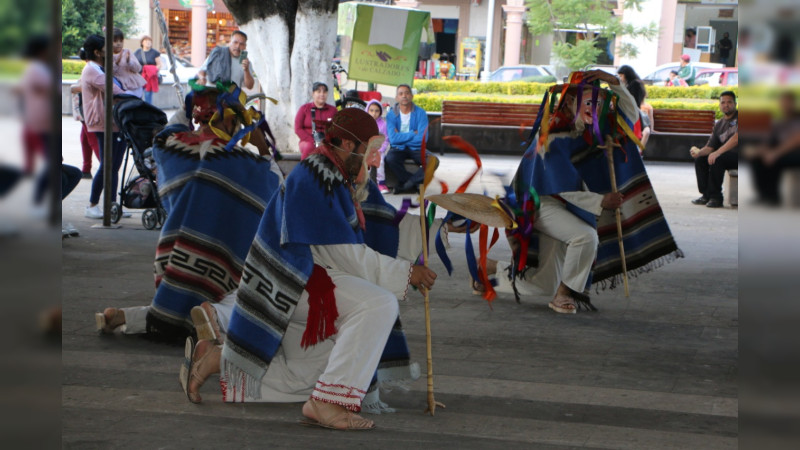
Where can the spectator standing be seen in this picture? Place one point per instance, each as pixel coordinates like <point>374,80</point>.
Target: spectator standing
<point>687,71</point>
<point>690,38</point>
<point>375,110</point>
<point>228,64</point>
<point>309,118</point>
<point>150,60</point>
<point>725,46</point>
<point>34,93</point>
<point>635,86</point>
<point>93,86</point>
<point>721,153</point>
<point>406,125</point>
<point>126,68</point>
<point>88,140</point>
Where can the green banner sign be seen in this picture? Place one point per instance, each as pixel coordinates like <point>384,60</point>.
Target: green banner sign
<point>383,41</point>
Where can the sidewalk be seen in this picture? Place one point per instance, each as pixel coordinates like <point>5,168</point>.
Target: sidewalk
<point>657,370</point>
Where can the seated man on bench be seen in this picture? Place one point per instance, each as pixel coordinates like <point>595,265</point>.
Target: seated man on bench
<point>721,153</point>
<point>406,125</point>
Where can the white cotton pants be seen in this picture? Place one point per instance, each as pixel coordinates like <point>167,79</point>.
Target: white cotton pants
<point>135,320</point>
<point>339,369</point>
<point>567,249</point>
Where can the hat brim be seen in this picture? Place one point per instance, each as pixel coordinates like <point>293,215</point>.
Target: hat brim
<point>475,207</point>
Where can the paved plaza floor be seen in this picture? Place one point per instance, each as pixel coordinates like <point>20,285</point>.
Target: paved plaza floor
<point>657,370</point>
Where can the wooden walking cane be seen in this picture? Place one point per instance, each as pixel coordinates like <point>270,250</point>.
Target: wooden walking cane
<point>610,144</point>
<point>429,169</point>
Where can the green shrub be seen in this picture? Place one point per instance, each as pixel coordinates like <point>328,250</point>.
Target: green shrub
<point>432,102</point>
<point>711,106</point>
<point>13,67</point>
<point>705,92</point>
<point>476,87</point>
<point>538,85</point>
<point>72,66</point>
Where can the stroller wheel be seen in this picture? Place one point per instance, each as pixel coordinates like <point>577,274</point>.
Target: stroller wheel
<point>162,216</point>
<point>149,218</point>
<point>116,212</point>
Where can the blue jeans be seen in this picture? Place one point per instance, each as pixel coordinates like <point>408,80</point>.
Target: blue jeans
<point>395,161</point>
<point>70,177</point>
<point>148,97</point>
<point>118,148</point>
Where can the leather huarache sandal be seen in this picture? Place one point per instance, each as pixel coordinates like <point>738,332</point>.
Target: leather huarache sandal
<point>339,419</point>
<point>198,369</point>
<point>563,305</point>
<point>206,323</point>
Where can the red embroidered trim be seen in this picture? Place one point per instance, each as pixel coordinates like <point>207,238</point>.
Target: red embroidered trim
<point>350,406</point>
<point>351,388</point>
<point>335,394</point>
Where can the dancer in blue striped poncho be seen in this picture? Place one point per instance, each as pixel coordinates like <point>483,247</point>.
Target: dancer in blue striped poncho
<point>214,193</point>
<point>564,202</point>
<point>316,309</point>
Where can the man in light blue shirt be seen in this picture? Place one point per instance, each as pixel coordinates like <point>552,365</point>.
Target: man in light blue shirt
<point>406,126</point>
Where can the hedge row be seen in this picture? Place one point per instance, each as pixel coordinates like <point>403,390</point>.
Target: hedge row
<point>509,88</point>
<point>13,67</point>
<point>656,104</point>
<point>525,88</point>
<point>72,66</point>
<point>703,92</point>
<point>433,102</point>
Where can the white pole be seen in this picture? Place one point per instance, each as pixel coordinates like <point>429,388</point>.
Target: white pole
<point>489,33</point>
<point>199,31</point>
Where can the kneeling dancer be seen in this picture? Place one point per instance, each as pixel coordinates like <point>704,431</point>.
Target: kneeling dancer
<point>567,238</point>
<point>316,303</point>
<point>214,193</point>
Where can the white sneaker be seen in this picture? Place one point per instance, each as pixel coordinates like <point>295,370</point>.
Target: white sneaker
<point>93,212</point>
<point>68,229</point>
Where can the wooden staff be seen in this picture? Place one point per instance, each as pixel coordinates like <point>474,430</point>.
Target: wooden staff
<point>432,403</point>
<point>610,153</point>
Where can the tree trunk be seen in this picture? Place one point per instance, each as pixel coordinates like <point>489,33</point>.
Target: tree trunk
<point>291,44</point>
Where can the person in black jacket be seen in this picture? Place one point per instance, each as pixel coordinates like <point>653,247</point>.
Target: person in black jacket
<point>630,79</point>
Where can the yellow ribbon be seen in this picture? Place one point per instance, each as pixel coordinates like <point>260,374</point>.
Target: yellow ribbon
<point>503,211</point>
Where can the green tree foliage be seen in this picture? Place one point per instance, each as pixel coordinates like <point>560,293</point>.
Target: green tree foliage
<point>19,21</point>
<point>594,19</point>
<point>80,18</point>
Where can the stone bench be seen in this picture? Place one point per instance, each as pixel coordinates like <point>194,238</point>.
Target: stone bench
<point>675,131</point>
<point>492,128</point>
<point>730,188</point>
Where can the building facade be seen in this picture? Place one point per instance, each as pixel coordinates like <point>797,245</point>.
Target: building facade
<point>498,26</point>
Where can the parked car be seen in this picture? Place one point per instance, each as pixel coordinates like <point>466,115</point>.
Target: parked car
<point>519,73</point>
<point>184,69</point>
<point>727,76</point>
<point>661,73</point>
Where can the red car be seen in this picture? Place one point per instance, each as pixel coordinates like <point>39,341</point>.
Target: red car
<point>726,76</point>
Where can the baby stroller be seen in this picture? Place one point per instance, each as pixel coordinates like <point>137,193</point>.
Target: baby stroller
<point>139,122</point>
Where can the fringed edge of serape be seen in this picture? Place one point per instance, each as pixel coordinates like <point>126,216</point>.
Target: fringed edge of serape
<point>616,280</point>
